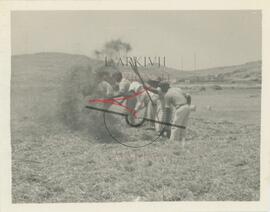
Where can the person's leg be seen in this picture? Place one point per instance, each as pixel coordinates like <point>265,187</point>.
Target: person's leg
<point>151,114</point>
<point>185,114</point>
<point>131,103</point>
<point>175,130</point>
<point>159,117</point>
<point>180,118</point>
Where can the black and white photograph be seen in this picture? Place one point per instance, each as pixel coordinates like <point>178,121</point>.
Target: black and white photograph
<point>135,105</point>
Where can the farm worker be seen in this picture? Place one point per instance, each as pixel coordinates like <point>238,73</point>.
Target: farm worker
<point>104,89</point>
<point>156,110</point>
<point>123,84</point>
<point>134,88</point>
<point>143,100</point>
<point>151,104</point>
<point>122,87</point>
<point>159,110</point>
<point>175,99</point>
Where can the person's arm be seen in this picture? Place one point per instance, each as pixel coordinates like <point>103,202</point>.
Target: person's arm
<point>154,90</point>
<point>121,93</point>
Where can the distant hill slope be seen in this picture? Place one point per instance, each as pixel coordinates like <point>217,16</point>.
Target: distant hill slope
<point>42,69</point>
<point>248,72</point>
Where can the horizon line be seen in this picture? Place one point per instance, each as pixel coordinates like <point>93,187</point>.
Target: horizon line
<point>211,67</point>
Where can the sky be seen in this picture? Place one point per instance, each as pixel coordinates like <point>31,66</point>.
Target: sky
<point>212,38</point>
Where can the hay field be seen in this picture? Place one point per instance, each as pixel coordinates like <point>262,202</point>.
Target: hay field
<point>53,163</point>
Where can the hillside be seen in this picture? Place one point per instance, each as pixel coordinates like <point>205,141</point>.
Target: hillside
<point>44,69</point>
<point>248,72</point>
<point>35,68</point>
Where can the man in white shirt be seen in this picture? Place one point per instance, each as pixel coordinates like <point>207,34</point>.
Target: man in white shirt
<point>175,99</point>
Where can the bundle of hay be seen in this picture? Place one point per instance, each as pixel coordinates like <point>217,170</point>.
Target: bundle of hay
<point>78,86</point>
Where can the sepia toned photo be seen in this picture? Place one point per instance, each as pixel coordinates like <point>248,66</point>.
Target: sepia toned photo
<point>135,106</point>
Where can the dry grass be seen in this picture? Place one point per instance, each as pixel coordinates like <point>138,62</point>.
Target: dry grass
<point>220,160</point>
<point>61,153</point>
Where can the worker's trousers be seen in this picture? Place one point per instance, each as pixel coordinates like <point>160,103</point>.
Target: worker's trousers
<point>180,118</point>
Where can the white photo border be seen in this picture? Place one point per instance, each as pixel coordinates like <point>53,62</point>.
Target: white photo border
<point>5,72</point>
